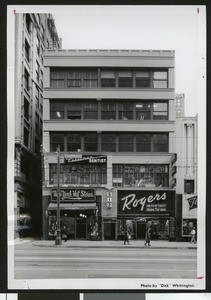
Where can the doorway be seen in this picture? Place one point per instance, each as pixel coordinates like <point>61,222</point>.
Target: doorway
<point>140,229</point>
<point>109,231</point>
<point>80,228</point>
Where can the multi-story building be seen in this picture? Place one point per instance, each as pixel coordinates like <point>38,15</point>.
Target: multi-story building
<point>186,187</point>
<point>33,34</point>
<point>112,114</point>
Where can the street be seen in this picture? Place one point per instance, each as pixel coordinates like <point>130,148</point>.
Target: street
<point>32,262</point>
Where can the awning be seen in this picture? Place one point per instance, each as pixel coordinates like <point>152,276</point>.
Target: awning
<point>72,206</point>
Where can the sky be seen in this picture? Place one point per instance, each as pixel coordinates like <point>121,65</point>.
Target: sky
<point>179,28</point>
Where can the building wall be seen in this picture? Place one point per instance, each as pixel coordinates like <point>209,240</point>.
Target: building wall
<point>115,59</point>
<point>32,34</point>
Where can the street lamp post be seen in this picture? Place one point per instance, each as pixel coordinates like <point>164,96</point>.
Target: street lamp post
<point>58,240</point>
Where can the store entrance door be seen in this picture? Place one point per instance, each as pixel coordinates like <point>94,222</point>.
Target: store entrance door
<point>141,229</point>
<point>80,228</point>
<point>109,231</point>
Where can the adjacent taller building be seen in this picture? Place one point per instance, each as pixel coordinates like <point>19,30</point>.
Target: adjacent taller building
<point>33,34</point>
<point>112,115</point>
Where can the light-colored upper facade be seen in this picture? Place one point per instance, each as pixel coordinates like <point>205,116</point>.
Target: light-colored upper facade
<point>126,95</point>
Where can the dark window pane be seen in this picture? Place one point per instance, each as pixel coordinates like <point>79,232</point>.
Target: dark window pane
<point>73,142</point>
<point>125,111</point>
<point>126,142</point>
<point>160,143</point>
<point>143,142</point>
<point>74,78</point>
<point>74,110</point>
<point>90,142</point>
<point>142,79</point>
<point>57,110</point>
<point>107,78</point>
<point>108,142</point>
<point>125,79</point>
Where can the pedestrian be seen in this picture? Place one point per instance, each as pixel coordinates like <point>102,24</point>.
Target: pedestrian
<point>64,233</point>
<point>127,235</point>
<point>193,236</point>
<point>148,237</point>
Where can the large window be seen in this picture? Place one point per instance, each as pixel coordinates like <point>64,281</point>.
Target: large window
<point>141,175</point>
<point>126,142</point>
<point>90,110</point>
<point>57,110</point>
<point>27,50</point>
<point>108,142</point>
<point>107,78</point>
<point>73,78</point>
<point>57,139</point>
<point>160,111</point>
<point>125,111</point>
<point>74,110</point>
<point>142,79</point>
<point>143,111</point>
<point>125,79</point>
<point>90,79</point>
<point>57,78</point>
<point>160,79</point>
<point>92,174</point>
<point>90,142</point>
<point>108,110</point>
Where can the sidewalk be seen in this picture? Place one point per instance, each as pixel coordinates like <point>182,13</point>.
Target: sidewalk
<point>155,244</point>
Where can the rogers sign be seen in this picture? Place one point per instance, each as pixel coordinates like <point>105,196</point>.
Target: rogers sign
<point>136,202</point>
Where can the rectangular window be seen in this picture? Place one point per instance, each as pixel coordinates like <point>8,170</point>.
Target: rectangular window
<point>108,142</point>
<point>73,78</point>
<point>160,79</point>
<point>27,50</point>
<point>37,71</point>
<point>56,109</point>
<point>143,142</point>
<point>108,110</point>
<point>74,110</point>
<point>160,111</point>
<point>160,142</point>
<point>189,186</point>
<point>90,79</point>
<point>125,111</point>
<point>90,142</point>
<point>41,78</point>
<point>37,96</point>
<point>107,78</point>
<point>143,111</point>
<point>142,79</point>
<point>26,137</point>
<point>38,45</point>
<point>26,109</point>
<point>26,79</point>
<point>90,110</point>
<point>126,142</point>
<point>37,123</point>
<point>73,142</point>
<point>56,139</point>
<point>141,175</point>
<point>125,79</point>
<point>57,78</point>
<point>79,174</point>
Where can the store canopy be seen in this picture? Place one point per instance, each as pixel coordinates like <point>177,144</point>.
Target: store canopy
<point>72,206</point>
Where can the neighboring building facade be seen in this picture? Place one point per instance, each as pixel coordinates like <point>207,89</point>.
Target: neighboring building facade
<point>187,163</point>
<point>180,105</point>
<point>33,33</point>
<point>112,113</point>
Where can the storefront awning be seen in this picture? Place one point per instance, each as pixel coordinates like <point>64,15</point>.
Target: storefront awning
<point>72,206</point>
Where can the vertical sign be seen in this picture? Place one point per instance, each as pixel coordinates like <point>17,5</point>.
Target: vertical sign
<point>109,196</point>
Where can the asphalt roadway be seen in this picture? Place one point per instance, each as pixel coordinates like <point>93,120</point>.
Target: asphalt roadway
<point>104,259</point>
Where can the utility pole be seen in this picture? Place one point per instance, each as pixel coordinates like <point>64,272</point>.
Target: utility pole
<point>58,240</point>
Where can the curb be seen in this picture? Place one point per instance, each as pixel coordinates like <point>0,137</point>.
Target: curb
<point>115,247</point>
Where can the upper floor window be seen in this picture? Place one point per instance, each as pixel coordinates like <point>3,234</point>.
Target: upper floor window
<point>57,139</point>
<point>73,78</point>
<point>160,143</point>
<point>26,109</point>
<point>90,110</point>
<point>142,79</point>
<point>26,79</point>
<point>108,142</point>
<point>90,78</point>
<point>27,50</point>
<point>143,111</point>
<point>126,142</point>
<point>125,111</point>
<point>90,142</point>
<point>57,110</point>
<point>108,78</point>
<point>28,23</point>
<point>74,110</point>
<point>189,186</point>
<point>57,79</point>
<point>160,111</point>
<point>125,79</point>
<point>160,79</point>
<point>108,110</point>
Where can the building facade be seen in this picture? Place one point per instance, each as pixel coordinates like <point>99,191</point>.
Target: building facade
<point>33,34</point>
<point>112,115</point>
<point>187,163</point>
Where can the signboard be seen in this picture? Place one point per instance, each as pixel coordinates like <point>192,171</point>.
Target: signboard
<point>192,202</point>
<point>109,204</point>
<point>84,159</point>
<point>74,195</point>
<point>135,202</point>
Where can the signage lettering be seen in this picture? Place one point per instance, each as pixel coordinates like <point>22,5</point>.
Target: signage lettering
<point>69,158</point>
<point>74,194</point>
<point>131,201</point>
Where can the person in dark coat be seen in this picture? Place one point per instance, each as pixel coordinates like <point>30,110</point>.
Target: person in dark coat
<point>127,235</point>
<point>64,233</point>
<point>148,237</point>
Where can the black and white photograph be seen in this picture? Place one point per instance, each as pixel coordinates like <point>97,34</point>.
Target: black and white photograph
<point>106,124</point>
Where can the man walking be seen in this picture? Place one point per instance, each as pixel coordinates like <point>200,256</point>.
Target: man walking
<point>148,237</point>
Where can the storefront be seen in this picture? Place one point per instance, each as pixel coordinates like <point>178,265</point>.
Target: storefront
<point>78,213</point>
<point>189,215</point>
<point>139,209</point>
